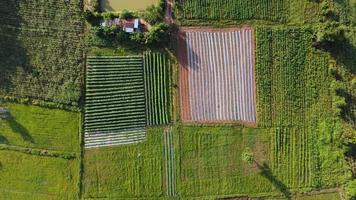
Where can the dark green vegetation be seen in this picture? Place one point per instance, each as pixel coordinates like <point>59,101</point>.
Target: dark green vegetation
<point>272,10</point>
<point>129,171</point>
<point>157,80</point>
<point>36,127</point>
<point>219,12</point>
<point>41,53</point>
<point>296,101</point>
<point>115,94</point>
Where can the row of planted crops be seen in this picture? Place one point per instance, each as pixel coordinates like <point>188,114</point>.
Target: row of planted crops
<point>124,95</point>
<point>272,10</point>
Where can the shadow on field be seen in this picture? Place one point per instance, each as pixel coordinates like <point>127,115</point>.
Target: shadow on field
<point>3,140</point>
<point>106,5</point>
<point>18,128</point>
<point>267,173</point>
<point>14,62</point>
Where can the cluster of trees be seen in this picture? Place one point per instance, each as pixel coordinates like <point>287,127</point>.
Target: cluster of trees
<point>157,36</point>
<point>331,35</point>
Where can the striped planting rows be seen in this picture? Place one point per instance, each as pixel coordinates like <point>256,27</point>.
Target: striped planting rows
<point>169,162</point>
<point>157,82</point>
<point>115,111</point>
<point>217,76</point>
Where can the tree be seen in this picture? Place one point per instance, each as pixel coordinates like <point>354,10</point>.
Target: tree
<point>158,35</point>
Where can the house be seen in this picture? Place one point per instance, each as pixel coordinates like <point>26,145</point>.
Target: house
<point>129,26</point>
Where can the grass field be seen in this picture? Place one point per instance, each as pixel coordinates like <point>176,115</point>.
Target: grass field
<point>37,127</point>
<point>41,50</point>
<point>211,155</point>
<point>120,5</point>
<point>26,177</point>
<point>128,171</point>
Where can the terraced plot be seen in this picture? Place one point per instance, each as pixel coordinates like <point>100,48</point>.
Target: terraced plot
<point>217,75</point>
<point>115,101</point>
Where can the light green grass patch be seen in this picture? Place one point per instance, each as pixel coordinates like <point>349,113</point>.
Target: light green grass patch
<point>26,176</point>
<point>127,171</point>
<point>37,127</point>
<point>210,160</point>
<point>119,5</point>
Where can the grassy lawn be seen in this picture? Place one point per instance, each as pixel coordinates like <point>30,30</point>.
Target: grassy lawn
<point>129,171</point>
<point>119,5</point>
<point>37,127</point>
<point>210,160</point>
<point>26,176</point>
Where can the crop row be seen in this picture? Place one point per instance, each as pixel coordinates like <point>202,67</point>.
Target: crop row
<point>288,87</point>
<point>118,105</point>
<point>273,10</point>
<point>157,82</point>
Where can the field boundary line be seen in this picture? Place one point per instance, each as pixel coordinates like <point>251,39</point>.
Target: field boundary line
<point>40,152</point>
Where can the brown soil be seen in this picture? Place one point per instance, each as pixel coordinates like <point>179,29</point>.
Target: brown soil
<point>184,85</point>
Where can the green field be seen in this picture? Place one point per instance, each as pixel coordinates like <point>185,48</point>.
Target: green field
<point>219,12</point>
<point>157,80</point>
<point>26,177</point>
<point>41,53</point>
<point>273,10</point>
<point>115,95</point>
<point>129,171</point>
<point>37,127</point>
<point>211,155</point>
<point>295,101</point>
<point>120,5</point>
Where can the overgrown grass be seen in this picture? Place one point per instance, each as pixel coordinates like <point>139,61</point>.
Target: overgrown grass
<point>127,171</point>
<point>42,128</point>
<point>26,176</point>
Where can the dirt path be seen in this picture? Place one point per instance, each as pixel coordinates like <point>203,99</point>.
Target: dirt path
<point>168,14</point>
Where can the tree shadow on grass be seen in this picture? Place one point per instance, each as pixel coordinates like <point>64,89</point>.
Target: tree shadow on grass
<point>3,140</point>
<point>267,173</point>
<point>21,130</point>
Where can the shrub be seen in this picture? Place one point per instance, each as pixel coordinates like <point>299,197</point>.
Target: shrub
<point>351,190</point>
<point>158,35</point>
<point>125,14</point>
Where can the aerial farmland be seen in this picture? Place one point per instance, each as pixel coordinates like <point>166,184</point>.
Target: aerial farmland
<point>178,99</point>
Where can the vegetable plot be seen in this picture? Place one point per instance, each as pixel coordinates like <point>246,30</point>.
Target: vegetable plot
<point>115,101</point>
<point>217,75</point>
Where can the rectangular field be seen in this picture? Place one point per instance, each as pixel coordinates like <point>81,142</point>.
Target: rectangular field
<point>25,176</point>
<point>115,111</point>
<point>271,10</point>
<point>210,163</point>
<point>217,75</point>
<point>157,81</point>
<point>41,53</point>
<point>37,127</point>
<point>126,172</point>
